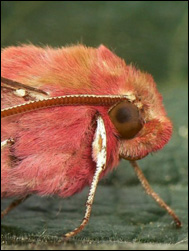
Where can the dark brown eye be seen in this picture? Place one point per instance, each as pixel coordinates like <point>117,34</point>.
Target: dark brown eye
<point>126,119</point>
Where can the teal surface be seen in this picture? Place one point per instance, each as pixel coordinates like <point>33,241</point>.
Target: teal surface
<point>152,35</point>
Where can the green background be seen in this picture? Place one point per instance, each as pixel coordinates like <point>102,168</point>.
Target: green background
<point>154,37</point>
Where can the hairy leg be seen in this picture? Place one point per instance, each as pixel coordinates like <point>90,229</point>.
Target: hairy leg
<point>154,195</point>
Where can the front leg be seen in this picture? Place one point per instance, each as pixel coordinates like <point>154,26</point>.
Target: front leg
<point>99,150</point>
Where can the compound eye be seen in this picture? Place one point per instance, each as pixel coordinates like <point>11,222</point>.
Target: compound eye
<point>126,119</point>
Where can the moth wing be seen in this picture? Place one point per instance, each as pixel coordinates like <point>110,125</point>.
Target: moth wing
<point>52,148</point>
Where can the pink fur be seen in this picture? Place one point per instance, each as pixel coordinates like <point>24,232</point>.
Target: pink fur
<point>52,153</point>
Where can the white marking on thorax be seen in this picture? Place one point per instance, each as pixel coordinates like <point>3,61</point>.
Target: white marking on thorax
<point>32,94</point>
<point>20,92</point>
<point>6,142</point>
<point>99,144</point>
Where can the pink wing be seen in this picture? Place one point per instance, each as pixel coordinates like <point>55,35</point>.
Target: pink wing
<point>52,149</point>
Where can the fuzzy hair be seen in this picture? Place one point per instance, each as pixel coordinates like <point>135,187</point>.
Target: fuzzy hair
<point>52,153</point>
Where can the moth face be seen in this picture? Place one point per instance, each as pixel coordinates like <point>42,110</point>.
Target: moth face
<point>127,119</point>
<point>141,131</point>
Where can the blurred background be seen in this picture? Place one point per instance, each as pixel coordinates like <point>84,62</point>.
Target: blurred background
<point>153,35</point>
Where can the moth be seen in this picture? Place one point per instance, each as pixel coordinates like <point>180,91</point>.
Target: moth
<point>69,115</point>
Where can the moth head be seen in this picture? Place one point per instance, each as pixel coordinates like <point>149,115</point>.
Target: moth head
<point>146,127</point>
<point>141,129</point>
<point>138,136</point>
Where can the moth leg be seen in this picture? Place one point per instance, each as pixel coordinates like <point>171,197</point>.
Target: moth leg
<point>154,195</point>
<point>13,204</point>
<point>99,149</point>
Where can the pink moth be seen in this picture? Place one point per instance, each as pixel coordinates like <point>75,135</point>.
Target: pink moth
<point>69,115</point>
